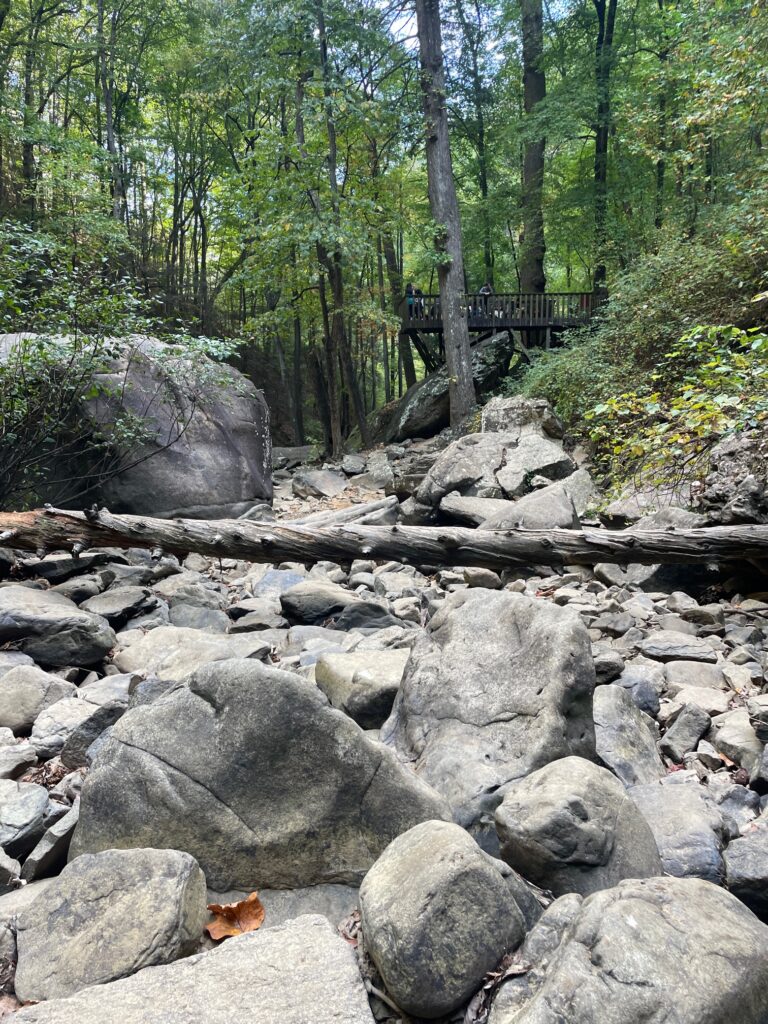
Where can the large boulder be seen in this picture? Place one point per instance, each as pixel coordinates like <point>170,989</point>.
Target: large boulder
<point>498,686</point>
<point>493,466</point>
<point>207,450</point>
<point>107,916</point>
<point>544,509</point>
<point>297,973</point>
<point>625,743</point>
<point>424,408</point>
<point>677,950</point>
<point>570,827</point>
<point>51,628</point>
<point>437,915</point>
<point>248,769</point>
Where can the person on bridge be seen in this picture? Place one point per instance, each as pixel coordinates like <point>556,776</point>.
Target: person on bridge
<point>409,299</point>
<point>485,291</point>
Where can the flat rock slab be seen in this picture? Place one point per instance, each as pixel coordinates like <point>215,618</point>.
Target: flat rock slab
<point>51,629</point>
<point>106,917</point>
<point>300,973</point>
<point>172,652</point>
<point>676,950</point>
<point>252,772</point>
<point>625,743</point>
<point>497,686</point>
<point>688,828</point>
<point>23,806</point>
<point>670,645</point>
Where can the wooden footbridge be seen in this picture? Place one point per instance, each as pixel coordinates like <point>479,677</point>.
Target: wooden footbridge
<point>539,318</point>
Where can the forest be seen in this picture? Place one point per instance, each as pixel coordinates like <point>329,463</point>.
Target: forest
<point>255,173</point>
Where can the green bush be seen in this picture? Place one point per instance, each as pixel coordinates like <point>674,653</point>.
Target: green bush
<point>713,383</point>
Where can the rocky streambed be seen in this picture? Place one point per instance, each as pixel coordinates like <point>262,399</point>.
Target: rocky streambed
<point>534,797</point>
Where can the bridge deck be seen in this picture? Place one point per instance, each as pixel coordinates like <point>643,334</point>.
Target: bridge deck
<point>506,311</point>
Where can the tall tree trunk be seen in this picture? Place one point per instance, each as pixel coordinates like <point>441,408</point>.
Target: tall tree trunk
<point>384,333</point>
<point>445,211</point>
<point>473,40</point>
<point>333,259</point>
<point>606,22</point>
<point>395,275</point>
<point>661,103</point>
<point>107,83</point>
<point>532,278</point>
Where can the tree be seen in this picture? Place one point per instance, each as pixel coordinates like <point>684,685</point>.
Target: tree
<point>532,278</point>
<point>445,211</point>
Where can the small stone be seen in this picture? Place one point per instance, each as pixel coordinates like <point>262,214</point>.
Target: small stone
<point>684,733</point>
<point>478,577</point>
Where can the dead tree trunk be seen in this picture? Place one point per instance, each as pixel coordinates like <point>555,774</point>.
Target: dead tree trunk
<point>51,529</point>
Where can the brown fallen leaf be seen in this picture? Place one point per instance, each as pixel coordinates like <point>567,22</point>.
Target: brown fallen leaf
<point>236,918</point>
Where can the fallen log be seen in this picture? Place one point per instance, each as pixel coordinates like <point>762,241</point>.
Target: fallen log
<point>381,512</point>
<point>45,530</point>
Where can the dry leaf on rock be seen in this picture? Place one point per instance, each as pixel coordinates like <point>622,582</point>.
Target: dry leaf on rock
<point>236,918</point>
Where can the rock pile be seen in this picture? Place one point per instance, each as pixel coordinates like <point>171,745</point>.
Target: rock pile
<point>546,792</point>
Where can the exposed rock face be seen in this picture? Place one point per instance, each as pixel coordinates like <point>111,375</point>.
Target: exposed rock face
<point>107,916</point>
<point>295,973</point>
<point>291,791</point>
<point>423,410</point>
<point>436,916</point>
<point>570,827</point>
<point>498,686</point>
<point>605,965</point>
<point>736,489</point>
<point>51,628</point>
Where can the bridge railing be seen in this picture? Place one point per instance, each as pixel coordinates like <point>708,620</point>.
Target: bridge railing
<point>507,309</point>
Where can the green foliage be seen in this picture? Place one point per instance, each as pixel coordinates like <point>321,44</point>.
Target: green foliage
<point>714,382</point>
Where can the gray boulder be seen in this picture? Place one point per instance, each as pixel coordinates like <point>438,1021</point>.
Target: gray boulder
<point>677,950</point>
<point>624,742</point>
<point>52,629</point>
<point>362,684</point>
<point>493,466</point>
<point>733,735</point>
<point>570,827</point>
<point>424,408</point>
<point>298,973</point>
<point>526,415</point>
<point>746,867</point>
<point>121,604</point>
<point>314,601</point>
<point>671,645</point>
<point>108,916</point>
<point>291,792</point>
<point>23,807</point>
<point>544,509</point>
<point>25,692</point>
<point>54,726</point>
<point>436,916</point>
<point>50,854</point>
<point>209,450</point>
<point>685,732</point>
<point>172,652</point>
<point>74,752</point>
<point>688,827</point>
<point>497,686</point>
<point>318,483</point>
